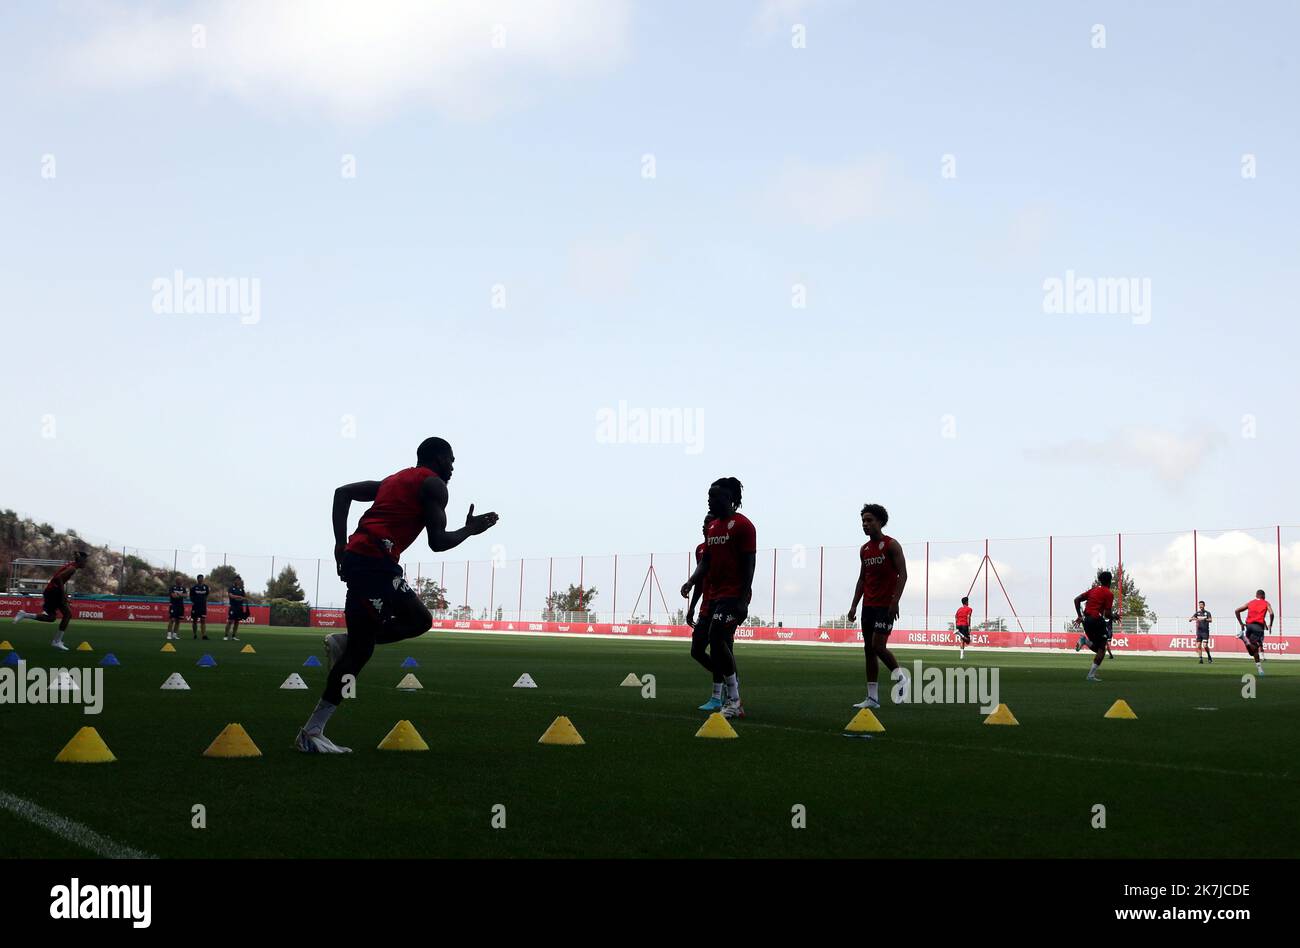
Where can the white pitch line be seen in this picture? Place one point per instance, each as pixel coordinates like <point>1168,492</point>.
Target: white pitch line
<point>71,830</point>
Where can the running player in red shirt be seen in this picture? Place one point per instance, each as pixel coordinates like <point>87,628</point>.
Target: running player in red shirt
<point>963,624</point>
<point>380,606</point>
<point>1097,610</point>
<point>1259,620</point>
<point>726,573</point>
<point>880,586</point>
<point>700,630</point>
<point>56,599</point>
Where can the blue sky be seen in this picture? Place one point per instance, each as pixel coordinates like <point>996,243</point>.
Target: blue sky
<point>522,167</point>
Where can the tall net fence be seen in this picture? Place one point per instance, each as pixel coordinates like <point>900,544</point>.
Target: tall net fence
<point>1012,584</point>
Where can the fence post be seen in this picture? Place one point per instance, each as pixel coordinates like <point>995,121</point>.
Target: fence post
<point>492,591</point>
<point>927,586</point>
<point>1279,579</point>
<point>986,584</point>
<point>614,609</point>
<point>1119,568</point>
<point>821,578</point>
<point>773,586</point>
<point>471,611</point>
<point>1196,573</point>
<point>1050,564</point>
<point>519,613</point>
<point>316,601</point>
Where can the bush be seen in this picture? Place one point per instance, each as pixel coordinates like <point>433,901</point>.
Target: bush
<point>288,612</point>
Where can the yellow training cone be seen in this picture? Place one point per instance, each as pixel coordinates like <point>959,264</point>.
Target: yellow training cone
<point>168,648</point>
<point>631,681</point>
<point>561,731</point>
<point>1002,715</point>
<point>864,722</point>
<point>86,747</point>
<point>5,646</point>
<point>84,647</point>
<point>233,742</point>
<point>403,737</point>
<point>248,650</point>
<point>716,726</point>
<point>1121,710</point>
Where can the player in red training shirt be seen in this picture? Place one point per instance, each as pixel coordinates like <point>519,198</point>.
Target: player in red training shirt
<point>380,606</point>
<point>700,630</point>
<point>962,624</point>
<point>56,599</point>
<point>1259,620</point>
<point>880,586</point>
<point>726,573</point>
<point>1095,610</point>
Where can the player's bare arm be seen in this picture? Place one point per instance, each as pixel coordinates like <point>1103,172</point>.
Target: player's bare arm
<point>1078,605</point>
<point>343,496</point>
<point>751,563</point>
<point>895,554</point>
<point>433,498</point>
<point>1238,611</point>
<point>697,578</point>
<point>857,593</point>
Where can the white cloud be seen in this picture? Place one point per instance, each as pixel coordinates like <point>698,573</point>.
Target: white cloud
<point>1233,563</point>
<point>779,15</point>
<point>828,195</point>
<point>358,59</point>
<point>608,267</point>
<point>1170,456</point>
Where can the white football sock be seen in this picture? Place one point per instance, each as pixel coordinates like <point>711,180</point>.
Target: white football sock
<point>871,689</point>
<point>320,717</point>
<point>733,687</point>
<point>717,690</point>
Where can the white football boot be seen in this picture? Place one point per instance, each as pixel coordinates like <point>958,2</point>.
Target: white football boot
<point>317,743</point>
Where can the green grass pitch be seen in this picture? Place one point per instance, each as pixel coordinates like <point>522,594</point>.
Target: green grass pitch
<point>1177,782</point>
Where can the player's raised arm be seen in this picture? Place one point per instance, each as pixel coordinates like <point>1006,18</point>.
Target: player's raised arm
<point>343,497</point>
<point>433,500</point>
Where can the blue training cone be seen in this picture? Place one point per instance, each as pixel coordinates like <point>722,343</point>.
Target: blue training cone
<point>312,662</point>
<point>12,658</point>
<point>410,663</point>
<point>207,661</point>
<point>109,659</point>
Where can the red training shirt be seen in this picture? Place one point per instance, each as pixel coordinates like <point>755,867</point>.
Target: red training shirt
<point>879,577</point>
<point>728,539</point>
<point>395,519</point>
<point>1100,598</point>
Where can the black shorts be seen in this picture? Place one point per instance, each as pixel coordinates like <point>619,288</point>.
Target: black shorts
<point>375,587</point>
<point>234,614</point>
<point>55,601</point>
<point>1255,632</point>
<point>1202,635</point>
<point>176,610</point>
<point>964,632</point>
<point>199,612</point>
<point>1094,627</point>
<point>728,613</point>
<point>876,620</point>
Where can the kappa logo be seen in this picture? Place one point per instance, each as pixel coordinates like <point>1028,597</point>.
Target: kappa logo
<point>730,524</point>
<point>377,603</point>
<point>824,637</point>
